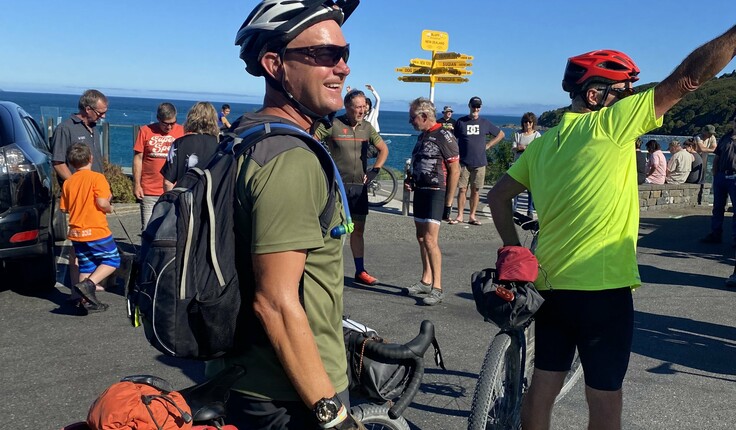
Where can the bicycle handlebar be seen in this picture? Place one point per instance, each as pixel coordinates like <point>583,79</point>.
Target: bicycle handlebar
<point>526,223</point>
<point>412,352</point>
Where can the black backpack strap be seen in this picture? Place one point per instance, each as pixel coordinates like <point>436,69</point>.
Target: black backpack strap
<point>239,144</point>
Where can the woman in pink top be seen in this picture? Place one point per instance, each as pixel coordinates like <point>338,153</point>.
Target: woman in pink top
<point>656,164</point>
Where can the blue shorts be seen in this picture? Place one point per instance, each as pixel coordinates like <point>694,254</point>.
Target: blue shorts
<point>94,253</point>
<point>599,323</point>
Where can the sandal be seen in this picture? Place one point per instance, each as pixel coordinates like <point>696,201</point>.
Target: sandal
<point>474,222</point>
<point>453,221</point>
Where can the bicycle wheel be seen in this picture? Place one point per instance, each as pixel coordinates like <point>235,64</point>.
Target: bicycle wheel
<point>382,188</point>
<point>376,417</point>
<point>576,371</point>
<point>497,399</point>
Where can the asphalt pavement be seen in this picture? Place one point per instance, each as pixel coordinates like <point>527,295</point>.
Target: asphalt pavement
<point>682,373</point>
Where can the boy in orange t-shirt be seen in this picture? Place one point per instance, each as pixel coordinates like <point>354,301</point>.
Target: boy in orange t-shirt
<point>86,197</point>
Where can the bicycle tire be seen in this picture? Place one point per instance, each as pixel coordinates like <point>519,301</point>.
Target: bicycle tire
<point>496,401</point>
<point>375,417</point>
<point>382,189</point>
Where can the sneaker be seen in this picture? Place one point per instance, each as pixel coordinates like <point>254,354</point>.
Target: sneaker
<point>731,281</point>
<point>711,238</point>
<point>435,297</point>
<point>93,309</point>
<point>87,289</point>
<point>419,288</point>
<point>364,278</point>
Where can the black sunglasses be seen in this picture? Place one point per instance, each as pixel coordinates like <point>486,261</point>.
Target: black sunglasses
<point>621,93</point>
<point>99,114</point>
<point>170,124</point>
<point>324,55</point>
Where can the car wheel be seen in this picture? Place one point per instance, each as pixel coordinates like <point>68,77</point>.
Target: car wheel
<point>39,273</point>
<point>60,225</point>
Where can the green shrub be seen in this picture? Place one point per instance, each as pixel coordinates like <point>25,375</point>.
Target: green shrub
<point>499,158</point>
<point>120,183</point>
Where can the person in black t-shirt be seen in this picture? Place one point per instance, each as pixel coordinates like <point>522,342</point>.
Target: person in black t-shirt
<point>194,148</point>
<point>446,119</point>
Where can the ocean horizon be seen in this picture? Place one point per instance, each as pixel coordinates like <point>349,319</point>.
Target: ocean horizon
<point>126,112</point>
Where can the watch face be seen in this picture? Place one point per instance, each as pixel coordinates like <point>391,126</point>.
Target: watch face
<point>326,410</point>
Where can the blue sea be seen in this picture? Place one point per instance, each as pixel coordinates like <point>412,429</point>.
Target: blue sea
<point>125,112</point>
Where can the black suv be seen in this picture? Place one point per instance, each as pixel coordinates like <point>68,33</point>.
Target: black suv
<point>30,222</point>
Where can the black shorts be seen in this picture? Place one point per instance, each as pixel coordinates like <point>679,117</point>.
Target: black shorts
<point>599,323</point>
<point>357,195</point>
<point>429,205</point>
<point>247,412</point>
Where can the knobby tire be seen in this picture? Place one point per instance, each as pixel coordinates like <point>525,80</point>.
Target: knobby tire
<point>376,417</point>
<point>497,400</point>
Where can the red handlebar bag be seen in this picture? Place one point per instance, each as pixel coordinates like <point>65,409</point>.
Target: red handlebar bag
<point>516,264</point>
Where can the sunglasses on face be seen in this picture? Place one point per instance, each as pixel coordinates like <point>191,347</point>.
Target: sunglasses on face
<point>621,93</point>
<point>170,124</point>
<point>324,55</point>
<point>98,113</point>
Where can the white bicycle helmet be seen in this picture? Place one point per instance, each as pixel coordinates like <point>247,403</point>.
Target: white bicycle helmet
<point>274,23</point>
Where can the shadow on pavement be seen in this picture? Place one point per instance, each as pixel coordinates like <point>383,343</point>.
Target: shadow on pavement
<point>679,237</point>
<point>685,342</point>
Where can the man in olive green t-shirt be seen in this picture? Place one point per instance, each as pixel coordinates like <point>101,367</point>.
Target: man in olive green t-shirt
<point>349,141</point>
<point>290,273</point>
<point>583,176</point>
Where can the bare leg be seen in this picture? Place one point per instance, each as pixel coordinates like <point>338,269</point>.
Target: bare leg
<point>461,203</point>
<point>536,411</point>
<point>604,409</point>
<point>357,244</point>
<point>474,199</point>
<point>100,274</point>
<point>426,266</point>
<point>432,256</point>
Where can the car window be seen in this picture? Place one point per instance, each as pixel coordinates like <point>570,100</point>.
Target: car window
<point>35,134</point>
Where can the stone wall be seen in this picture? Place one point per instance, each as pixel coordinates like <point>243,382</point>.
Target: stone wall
<point>654,197</point>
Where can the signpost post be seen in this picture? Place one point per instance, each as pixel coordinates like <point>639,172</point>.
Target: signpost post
<point>444,67</point>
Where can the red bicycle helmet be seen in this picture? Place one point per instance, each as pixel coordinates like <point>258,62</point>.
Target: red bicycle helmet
<point>606,66</point>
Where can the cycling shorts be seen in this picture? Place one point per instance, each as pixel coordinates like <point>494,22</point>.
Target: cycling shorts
<point>599,323</point>
<point>429,205</point>
<point>357,195</point>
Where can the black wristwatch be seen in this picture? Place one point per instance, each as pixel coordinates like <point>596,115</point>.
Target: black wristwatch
<point>326,409</point>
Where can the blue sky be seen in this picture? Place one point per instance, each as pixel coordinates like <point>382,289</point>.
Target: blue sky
<point>184,49</point>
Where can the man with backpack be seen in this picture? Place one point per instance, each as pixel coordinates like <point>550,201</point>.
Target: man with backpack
<point>290,272</point>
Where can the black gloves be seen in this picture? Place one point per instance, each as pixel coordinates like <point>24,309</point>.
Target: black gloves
<point>371,174</point>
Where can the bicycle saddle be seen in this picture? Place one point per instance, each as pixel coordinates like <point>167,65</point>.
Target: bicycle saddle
<point>207,400</point>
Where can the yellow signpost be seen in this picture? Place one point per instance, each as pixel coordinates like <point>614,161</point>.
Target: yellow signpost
<point>444,67</point>
<point>435,41</point>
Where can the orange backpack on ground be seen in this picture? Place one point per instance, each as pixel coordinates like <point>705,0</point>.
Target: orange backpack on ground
<point>131,406</point>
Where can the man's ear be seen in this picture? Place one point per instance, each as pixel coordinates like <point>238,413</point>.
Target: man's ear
<point>272,65</point>
<point>591,96</point>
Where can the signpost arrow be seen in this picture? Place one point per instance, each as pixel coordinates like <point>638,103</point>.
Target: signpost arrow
<point>414,70</point>
<point>435,40</point>
<point>452,56</point>
<point>414,78</point>
<point>452,63</point>
<point>450,71</point>
<point>420,62</point>
<point>449,79</point>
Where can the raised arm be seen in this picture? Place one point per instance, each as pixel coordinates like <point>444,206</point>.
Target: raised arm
<point>699,67</point>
